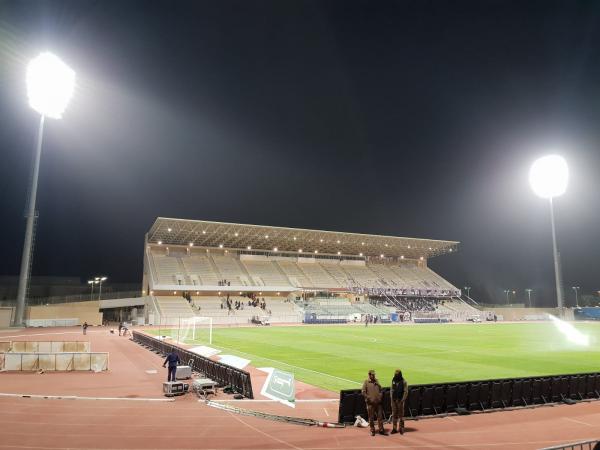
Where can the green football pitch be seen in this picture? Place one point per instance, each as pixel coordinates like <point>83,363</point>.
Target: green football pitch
<point>338,357</point>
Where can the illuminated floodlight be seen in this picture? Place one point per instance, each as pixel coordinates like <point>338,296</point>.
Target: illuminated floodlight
<point>50,85</point>
<point>549,176</point>
<point>570,332</point>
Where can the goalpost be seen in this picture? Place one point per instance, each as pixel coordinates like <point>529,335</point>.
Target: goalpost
<point>195,329</point>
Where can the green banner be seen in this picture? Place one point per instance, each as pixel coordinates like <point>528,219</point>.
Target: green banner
<point>280,386</point>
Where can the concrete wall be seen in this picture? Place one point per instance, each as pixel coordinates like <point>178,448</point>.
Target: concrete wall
<point>512,314</point>
<point>85,311</point>
<point>6,315</point>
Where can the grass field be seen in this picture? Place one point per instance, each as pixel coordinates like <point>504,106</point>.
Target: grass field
<point>338,357</point>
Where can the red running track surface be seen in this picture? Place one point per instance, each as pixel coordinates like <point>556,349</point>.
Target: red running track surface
<point>131,422</point>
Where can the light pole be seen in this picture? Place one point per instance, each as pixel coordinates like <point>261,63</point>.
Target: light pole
<point>92,283</point>
<point>529,291</point>
<point>50,86</point>
<point>549,177</point>
<point>576,289</point>
<point>100,281</point>
<point>468,289</point>
<point>507,292</point>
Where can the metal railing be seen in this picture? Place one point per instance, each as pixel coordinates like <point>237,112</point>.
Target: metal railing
<point>223,374</point>
<point>483,395</point>
<point>583,445</point>
<point>36,301</point>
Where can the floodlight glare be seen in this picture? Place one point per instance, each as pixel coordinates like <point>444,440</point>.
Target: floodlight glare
<point>50,85</point>
<point>549,176</point>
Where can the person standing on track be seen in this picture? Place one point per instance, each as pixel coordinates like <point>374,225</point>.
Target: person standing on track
<point>85,327</point>
<point>173,359</point>
<point>373,394</point>
<point>398,393</point>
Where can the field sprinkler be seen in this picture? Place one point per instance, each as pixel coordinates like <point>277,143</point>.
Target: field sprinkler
<point>570,332</point>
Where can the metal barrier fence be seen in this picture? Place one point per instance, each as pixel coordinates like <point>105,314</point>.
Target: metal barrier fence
<point>223,374</point>
<point>584,445</point>
<point>64,361</point>
<point>45,346</point>
<point>432,399</point>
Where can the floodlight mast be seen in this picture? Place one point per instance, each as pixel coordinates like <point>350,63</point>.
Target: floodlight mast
<point>50,86</point>
<point>549,177</point>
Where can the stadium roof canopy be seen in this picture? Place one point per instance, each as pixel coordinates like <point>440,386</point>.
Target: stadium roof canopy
<point>203,233</point>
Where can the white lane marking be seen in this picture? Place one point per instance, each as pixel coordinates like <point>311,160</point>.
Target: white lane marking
<point>75,397</point>
<point>281,441</point>
<point>312,400</point>
<point>326,413</point>
<point>578,421</point>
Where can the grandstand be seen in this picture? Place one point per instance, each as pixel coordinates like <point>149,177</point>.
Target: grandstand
<point>218,269</point>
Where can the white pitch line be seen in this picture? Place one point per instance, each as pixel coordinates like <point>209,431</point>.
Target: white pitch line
<point>308,400</point>
<point>291,365</point>
<point>75,397</point>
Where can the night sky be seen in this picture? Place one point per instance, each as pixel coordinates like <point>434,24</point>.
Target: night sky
<point>408,118</point>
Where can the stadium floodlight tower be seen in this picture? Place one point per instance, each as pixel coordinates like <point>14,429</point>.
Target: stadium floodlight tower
<point>549,177</point>
<point>50,86</point>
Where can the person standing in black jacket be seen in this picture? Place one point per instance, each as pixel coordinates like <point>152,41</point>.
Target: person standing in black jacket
<point>173,359</point>
<point>398,393</point>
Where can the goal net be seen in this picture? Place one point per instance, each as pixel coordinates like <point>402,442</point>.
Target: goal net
<point>194,330</point>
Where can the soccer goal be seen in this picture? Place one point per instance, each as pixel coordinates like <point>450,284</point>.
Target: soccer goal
<point>194,330</point>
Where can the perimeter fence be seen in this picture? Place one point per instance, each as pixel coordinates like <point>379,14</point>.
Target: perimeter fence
<point>464,397</point>
<point>223,374</point>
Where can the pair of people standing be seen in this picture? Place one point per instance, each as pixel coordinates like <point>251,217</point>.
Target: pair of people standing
<point>373,394</point>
